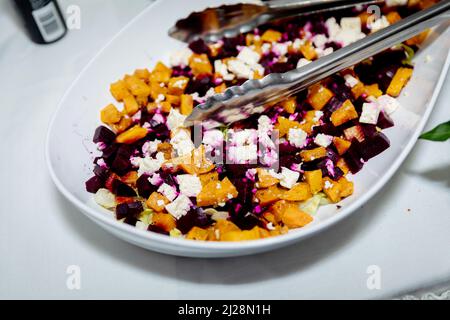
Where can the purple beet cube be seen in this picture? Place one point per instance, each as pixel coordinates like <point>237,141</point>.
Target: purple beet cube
<point>104,135</point>
<point>93,184</point>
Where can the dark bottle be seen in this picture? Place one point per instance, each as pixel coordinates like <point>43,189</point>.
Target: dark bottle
<point>43,20</point>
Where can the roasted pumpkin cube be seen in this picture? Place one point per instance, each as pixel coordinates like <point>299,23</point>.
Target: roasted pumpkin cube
<point>244,235</point>
<point>400,79</point>
<point>131,105</point>
<point>341,164</point>
<point>157,91</point>
<point>221,88</point>
<point>142,101</point>
<point>271,36</point>
<point>265,179</point>
<point>209,177</point>
<point>142,74</point>
<point>346,187</point>
<point>341,145</point>
<point>345,113</point>
<point>119,90</point>
<point>279,207</point>
<point>267,196</point>
<point>164,221</point>
<point>358,90</point>
<point>173,100</point>
<point>167,149</point>
<point>308,51</point>
<point>132,135</point>
<point>177,85</point>
<point>418,39</point>
<point>157,202</point>
<point>197,233</point>
<point>313,154</point>
<point>136,86</point>
<point>122,125</point>
<point>200,64</point>
<point>314,179</point>
<point>332,189</point>
<point>215,193</point>
<point>225,226</point>
<point>110,114</point>
<point>293,218</point>
<point>165,106</point>
<point>283,125</point>
<point>393,17</point>
<point>161,73</point>
<point>289,105</point>
<point>318,96</point>
<point>299,192</point>
<point>130,178</point>
<point>187,104</point>
<point>373,90</point>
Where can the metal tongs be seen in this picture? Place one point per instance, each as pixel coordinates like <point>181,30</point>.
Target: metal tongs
<point>255,96</point>
<point>212,24</point>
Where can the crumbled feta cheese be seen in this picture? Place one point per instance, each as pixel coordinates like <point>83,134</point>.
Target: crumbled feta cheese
<point>320,40</point>
<point>213,138</point>
<point>264,124</point>
<point>280,49</point>
<point>270,226</point>
<point>323,140</point>
<point>158,118</point>
<point>288,178</point>
<point>297,137</point>
<point>328,184</point>
<point>168,191</point>
<point>221,69</point>
<point>104,198</point>
<point>189,185</point>
<point>160,98</point>
<point>351,23</point>
<point>182,143</point>
<point>350,80</point>
<point>248,56</point>
<point>175,119</point>
<point>303,62</point>
<point>395,3</point>
<point>324,52</point>
<point>370,113</point>
<point>388,104</point>
<point>141,225</point>
<point>240,69</point>
<point>317,116</point>
<point>181,57</point>
<point>348,32</point>
<point>155,179</point>
<point>298,43</point>
<point>180,207</point>
<point>266,47</point>
<point>148,165</point>
<point>243,137</point>
<point>333,27</point>
<point>160,203</point>
<point>243,154</point>
<point>150,147</point>
<point>379,24</point>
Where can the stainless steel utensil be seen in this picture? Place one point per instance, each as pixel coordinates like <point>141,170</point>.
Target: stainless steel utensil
<point>254,96</point>
<point>213,24</point>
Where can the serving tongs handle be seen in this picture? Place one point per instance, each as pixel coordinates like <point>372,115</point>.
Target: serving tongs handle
<point>254,96</point>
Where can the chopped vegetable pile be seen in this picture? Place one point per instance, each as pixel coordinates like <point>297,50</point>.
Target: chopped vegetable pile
<point>265,175</point>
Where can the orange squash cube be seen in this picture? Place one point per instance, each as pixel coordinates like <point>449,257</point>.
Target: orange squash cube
<point>313,154</point>
<point>347,187</point>
<point>130,178</point>
<point>177,85</point>
<point>136,86</point>
<point>157,202</point>
<point>269,195</point>
<point>164,221</point>
<point>341,164</point>
<point>132,135</point>
<point>358,90</point>
<point>131,105</point>
<point>197,233</point>
<point>200,64</point>
<point>279,207</point>
<point>245,235</point>
<point>332,189</point>
<point>122,125</point>
<point>161,73</point>
<point>165,106</point>
<point>209,177</point>
<point>220,88</point>
<point>119,90</point>
<point>187,104</point>
<point>265,179</point>
<point>142,101</point>
<point>341,145</point>
<point>215,193</point>
<point>308,51</point>
<point>393,17</point>
<point>271,36</point>
<point>156,90</point>
<point>418,39</point>
<point>142,74</point>
<point>293,218</point>
<point>400,79</point>
<point>110,114</point>
<point>373,90</point>
<point>318,96</point>
<point>173,100</point>
<point>289,105</point>
<point>345,113</point>
<point>299,192</point>
<point>283,125</point>
<point>225,226</point>
<point>314,179</point>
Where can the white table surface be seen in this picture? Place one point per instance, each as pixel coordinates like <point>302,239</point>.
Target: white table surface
<point>404,230</point>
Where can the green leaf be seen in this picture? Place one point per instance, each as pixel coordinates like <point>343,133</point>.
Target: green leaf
<point>409,54</point>
<point>440,133</point>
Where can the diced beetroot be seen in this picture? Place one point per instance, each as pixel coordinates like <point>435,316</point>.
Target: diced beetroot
<point>121,163</point>
<point>199,46</point>
<point>328,129</point>
<point>131,221</point>
<point>101,172</point>
<point>384,121</point>
<point>334,104</point>
<point>93,184</point>
<point>246,222</point>
<point>157,229</point>
<point>353,157</point>
<point>122,189</point>
<point>373,146</point>
<point>354,132</point>
<point>131,210</point>
<point>181,72</point>
<point>200,85</point>
<point>145,188</point>
<point>196,217</point>
<point>369,130</point>
<point>104,135</point>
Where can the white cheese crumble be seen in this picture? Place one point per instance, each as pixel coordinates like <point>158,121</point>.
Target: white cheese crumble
<point>141,225</point>
<point>350,80</point>
<point>248,56</point>
<point>149,165</point>
<point>320,41</point>
<point>303,62</point>
<point>297,137</point>
<point>243,154</point>
<point>181,57</point>
<point>243,137</point>
<point>395,3</point>
<point>317,116</point>
<point>105,198</point>
<point>189,185</point>
<point>379,24</point>
<point>150,147</point>
<point>323,140</point>
<point>180,207</point>
<point>213,138</point>
<point>280,49</point>
<point>388,103</point>
<point>328,185</point>
<point>168,191</point>
<point>175,119</point>
<point>182,143</point>
<point>240,69</point>
<point>370,113</point>
<point>288,178</point>
<point>222,70</point>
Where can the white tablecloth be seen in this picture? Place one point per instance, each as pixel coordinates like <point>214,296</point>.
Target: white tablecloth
<point>404,230</point>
